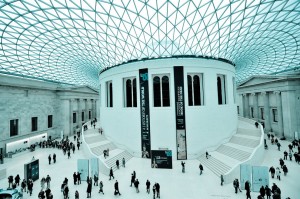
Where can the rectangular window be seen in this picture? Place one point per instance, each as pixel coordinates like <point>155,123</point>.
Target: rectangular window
<point>14,127</point>
<point>252,112</point>
<point>82,116</point>
<point>221,88</point>
<point>90,114</point>
<point>50,118</point>
<point>34,124</point>
<point>195,89</point>
<point>262,113</point>
<point>161,91</point>
<point>130,93</point>
<point>109,94</point>
<point>74,118</point>
<point>275,115</point>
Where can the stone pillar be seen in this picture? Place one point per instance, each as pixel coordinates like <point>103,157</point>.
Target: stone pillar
<point>246,105</point>
<point>92,109</point>
<point>266,112</point>
<point>71,116</point>
<point>255,106</point>
<point>95,106</point>
<point>79,113</point>
<point>279,112</point>
<point>86,110</point>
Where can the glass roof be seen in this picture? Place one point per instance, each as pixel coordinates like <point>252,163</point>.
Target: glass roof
<point>72,40</point>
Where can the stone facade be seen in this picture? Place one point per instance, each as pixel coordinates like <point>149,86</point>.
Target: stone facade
<point>273,101</point>
<point>23,99</point>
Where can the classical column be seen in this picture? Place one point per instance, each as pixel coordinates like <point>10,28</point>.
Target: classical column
<point>71,117</point>
<point>246,105</point>
<point>279,113</point>
<point>95,108</point>
<point>92,109</point>
<point>79,113</point>
<point>266,112</point>
<point>255,105</point>
<point>86,110</point>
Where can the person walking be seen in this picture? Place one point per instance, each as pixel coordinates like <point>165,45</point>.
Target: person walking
<point>222,180</point>
<point>123,162</point>
<point>23,185</point>
<point>285,154</point>
<point>17,180</point>
<point>54,158</point>
<point>96,179</point>
<point>136,185</point>
<point>272,171</point>
<point>262,191</point>
<point>69,154</point>
<point>111,173</point>
<point>154,190</point>
<point>132,179</point>
<point>66,191</point>
<point>278,146</point>
<point>201,169</point>
<point>79,177</point>
<point>101,187</point>
<point>49,159</point>
<point>268,192</point>
<point>148,186</point>
<point>285,170</point>
<point>75,178</point>
<point>117,191</point>
<point>183,166</point>
<point>30,186</point>
<point>48,179</point>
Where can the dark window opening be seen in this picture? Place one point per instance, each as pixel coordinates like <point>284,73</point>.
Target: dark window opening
<point>34,124</point>
<point>14,127</point>
<point>50,121</point>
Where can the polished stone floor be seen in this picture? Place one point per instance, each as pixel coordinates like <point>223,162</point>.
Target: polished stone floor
<point>173,183</point>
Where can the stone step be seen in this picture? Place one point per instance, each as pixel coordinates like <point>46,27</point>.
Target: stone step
<point>98,151</point>
<point>94,139</point>
<point>216,166</point>
<point>244,141</point>
<point>111,162</point>
<point>251,132</point>
<point>234,153</point>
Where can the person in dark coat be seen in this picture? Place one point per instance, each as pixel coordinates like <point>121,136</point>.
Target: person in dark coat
<point>268,192</point>
<point>183,166</point>
<point>117,188</point>
<point>89,190</point>
<point>111,173</point>
<point>17,180</point>
<point>54,158</point>
<point>247,188</point>
<point>201,168</point>
<point>78,178</point>
<point>75,178</point>
<point>262,191</point>
<point>281,162</point>
<point>132,179</point>
<point>30,186</point>
<point>101,187</point>
<point>117,164</point>
<point>148,186</point>
<point>136,185</point>
<point>157,188</point>
<point>272,171</point>
<point>49,159</point>
<point>285,154</point>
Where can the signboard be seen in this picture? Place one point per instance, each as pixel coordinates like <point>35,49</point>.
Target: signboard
<point>180,113</point>
<point>161,159</point>
<point>31,170</point>
<point>245,174</point>
<point>260,177</point>
<point>94,167</point>
<point>83,168</point>
<point>145,113</point>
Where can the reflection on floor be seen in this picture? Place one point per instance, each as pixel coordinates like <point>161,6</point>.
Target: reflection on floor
<point>173,183</point>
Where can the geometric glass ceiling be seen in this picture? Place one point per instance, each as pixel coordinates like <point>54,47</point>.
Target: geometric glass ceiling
<point>70,41</point>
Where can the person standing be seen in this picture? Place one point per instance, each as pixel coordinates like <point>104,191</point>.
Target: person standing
<point>272,171</point>
<point>123,162</point>
<point>278,173</point>
<point>66,191</point>
<point>201,168</point>
<point>132,179</point>
<point>157,188</point>
<point>222,179</point>
<point>79,177</point>
<point>75,178</point>
<point>101,187</point>
<point>23,185</point>
<point>54,158</point>
<point>247,187</point>
<point>30,186</point>
<point>111,173</point>
<point>117,188</point>
<point>96,179</point>
<point>48,179</point>
<point>268,192</point>
<point>117,164</point>
<point>183,166</point>
<point>49,159</point>
<point>17,180</point>
<point>136,185</point>
<point>69,154</point>
<point>262,191</point>
<point>148,186</point>
<point>285,170</point>
<point>285,154</point>
<point>89,190</point>
<point>154,189</point>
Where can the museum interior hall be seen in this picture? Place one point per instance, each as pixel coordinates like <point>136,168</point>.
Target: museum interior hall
<point>150,99</point>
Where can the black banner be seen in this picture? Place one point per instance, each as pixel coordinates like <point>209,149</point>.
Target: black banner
<point>161,159</point>
<point>180,113</point>
<point>31,170</point>
<point>145,113</point>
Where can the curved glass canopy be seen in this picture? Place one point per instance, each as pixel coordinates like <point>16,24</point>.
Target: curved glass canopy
<point>72,40</point>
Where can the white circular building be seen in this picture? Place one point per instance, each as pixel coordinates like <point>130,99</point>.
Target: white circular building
<point>184,104</point>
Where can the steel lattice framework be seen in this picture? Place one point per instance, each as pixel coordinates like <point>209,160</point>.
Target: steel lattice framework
<point>72,40</point>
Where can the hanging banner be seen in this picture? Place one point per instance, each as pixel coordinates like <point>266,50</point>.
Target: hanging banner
<point>260,177</point>
<point>145,113</point>
<point>245,174</point>
<point>94,167</point>
<point>83,168</point>
<point>180,113</point>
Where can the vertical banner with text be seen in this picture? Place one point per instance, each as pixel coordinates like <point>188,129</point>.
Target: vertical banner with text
<point>180,113</point>
<point>145,113</point>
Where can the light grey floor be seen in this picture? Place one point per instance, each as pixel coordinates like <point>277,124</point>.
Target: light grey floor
<point>174,184</point>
